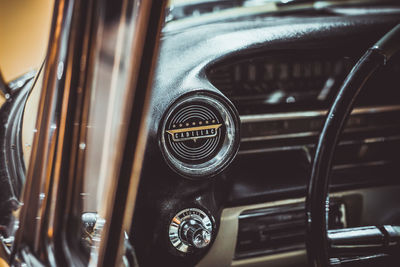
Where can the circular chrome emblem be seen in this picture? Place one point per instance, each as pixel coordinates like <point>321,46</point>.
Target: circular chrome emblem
<point>194,132</point>
<point>198,136</point>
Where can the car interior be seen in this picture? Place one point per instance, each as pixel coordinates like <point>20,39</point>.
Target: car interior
<point>205,133</point>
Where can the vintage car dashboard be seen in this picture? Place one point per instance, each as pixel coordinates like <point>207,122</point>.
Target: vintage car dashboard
<point>236,110</point>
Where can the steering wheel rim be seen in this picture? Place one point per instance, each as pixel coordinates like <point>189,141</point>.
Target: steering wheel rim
<point>317,200</point>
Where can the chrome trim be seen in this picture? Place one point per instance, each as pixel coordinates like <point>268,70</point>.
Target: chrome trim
<point>363,164</point>
<point>371,140</point>
<point>203,160</point>
<point>194,129</point>
<point>312,114</point>
<point>20,81</point>
<point>369,206</point>
<point>297,147</point>
<point>49,132</point>
<point>120,223</point>
<point>272,149</point>
<point>222,251</point>
<point>279,136</point>
<point>343,218</point>
<point>57,155</point>
<point>178,235</point>
<point>305,134</point>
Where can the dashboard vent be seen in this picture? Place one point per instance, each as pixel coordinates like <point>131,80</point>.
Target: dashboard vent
<point>300,80</point>
<point>278,229</point>
<point>282,98</point>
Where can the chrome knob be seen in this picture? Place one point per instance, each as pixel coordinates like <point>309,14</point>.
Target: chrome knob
<point>195,234</point>
<point>190,229</point>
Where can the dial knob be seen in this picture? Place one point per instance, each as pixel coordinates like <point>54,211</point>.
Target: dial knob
<point>190,229</point>
<point>194,233</point>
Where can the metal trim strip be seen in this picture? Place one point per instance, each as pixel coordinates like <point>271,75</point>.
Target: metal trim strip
<point>312,114</point>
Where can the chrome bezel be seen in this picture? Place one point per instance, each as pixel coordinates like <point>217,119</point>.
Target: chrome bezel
<point>227,150</point>
<point>178,220</point>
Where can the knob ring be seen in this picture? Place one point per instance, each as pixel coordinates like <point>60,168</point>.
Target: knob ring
<point>179,239</point>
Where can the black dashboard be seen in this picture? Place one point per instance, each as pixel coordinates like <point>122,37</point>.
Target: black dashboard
<point>272,80</point>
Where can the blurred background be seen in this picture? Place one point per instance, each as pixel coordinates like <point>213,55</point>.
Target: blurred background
<point>24,32</point>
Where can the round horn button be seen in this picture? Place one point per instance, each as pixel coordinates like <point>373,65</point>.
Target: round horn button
<point>194,132</point>
<point>199,135</point>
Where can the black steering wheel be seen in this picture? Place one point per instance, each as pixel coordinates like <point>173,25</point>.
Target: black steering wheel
<point>325,248</point>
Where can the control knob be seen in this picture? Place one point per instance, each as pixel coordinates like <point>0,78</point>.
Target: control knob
<point>190,229</point>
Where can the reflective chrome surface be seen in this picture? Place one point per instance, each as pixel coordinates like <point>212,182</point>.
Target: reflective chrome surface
<point>364,207</point>
<point>86,99</point>
<point>190,229</point>
<point>308,114</point>
<point>214,143</point>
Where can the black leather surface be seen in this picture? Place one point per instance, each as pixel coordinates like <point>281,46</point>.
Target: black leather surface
<point>184,58</point>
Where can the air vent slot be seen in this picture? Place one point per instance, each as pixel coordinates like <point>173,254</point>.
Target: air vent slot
<point>269,131</point>
<point>278,229</point>
<point>298,81</point>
